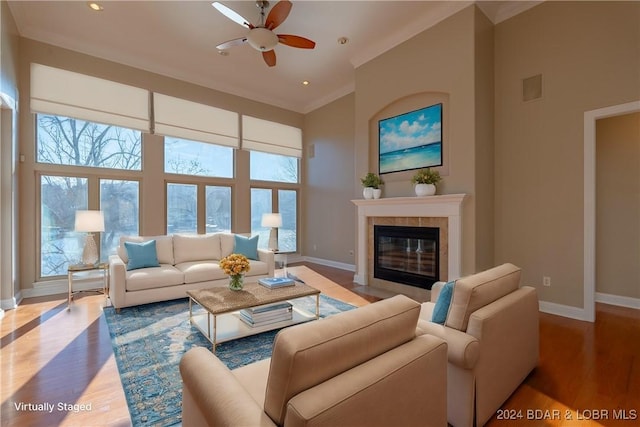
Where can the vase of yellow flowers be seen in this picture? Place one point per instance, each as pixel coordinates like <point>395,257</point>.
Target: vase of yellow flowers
<point>235,265</point>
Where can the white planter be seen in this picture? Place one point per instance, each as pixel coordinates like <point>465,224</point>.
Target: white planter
<point>425,190</point>
<point>377,192</point>
<point>367,192</point>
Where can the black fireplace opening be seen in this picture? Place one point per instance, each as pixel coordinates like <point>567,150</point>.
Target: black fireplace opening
<point>408,255</point>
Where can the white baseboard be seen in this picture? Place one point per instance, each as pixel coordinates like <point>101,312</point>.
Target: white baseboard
<point>571,312</point>
<point>618,300</point>
<point>11,303</point>
<point>329,263</point>
<point>61,286</point>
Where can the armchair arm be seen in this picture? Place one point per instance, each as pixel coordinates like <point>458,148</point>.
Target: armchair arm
<point>269,258</point>
<point>117,281</point>
<point>213,396</point>
<point>464,349</point>
<point>435,290</point>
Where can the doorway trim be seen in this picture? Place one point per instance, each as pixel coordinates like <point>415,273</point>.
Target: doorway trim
<point>590,118</point>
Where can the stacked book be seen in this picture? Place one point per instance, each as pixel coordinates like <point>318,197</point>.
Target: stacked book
<point>266,314</point>
<point>276,282</point>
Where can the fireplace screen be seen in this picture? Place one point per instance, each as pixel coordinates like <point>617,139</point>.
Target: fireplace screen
<point>407,255</point>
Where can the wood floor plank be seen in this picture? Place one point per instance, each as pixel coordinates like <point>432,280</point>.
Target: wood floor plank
<point>50,355</point>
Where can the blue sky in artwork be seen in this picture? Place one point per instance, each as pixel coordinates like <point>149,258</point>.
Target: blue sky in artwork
<point>414,129</point>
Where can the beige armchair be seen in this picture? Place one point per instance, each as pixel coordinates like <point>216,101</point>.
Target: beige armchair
<point>362,367</point>
<point>491,330</point>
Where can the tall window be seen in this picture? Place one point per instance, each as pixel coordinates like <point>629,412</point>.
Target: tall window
<point>288,208</point>
<point>218,209</point>
<point>119,201</point>
<point>280,174</point>
<point>60,198</point>
<point>260,204</point>
<point>67,141</point>
<point>273,167</point>
<point>197,158</point>
<point>69,146</point>
<point>182,208</point>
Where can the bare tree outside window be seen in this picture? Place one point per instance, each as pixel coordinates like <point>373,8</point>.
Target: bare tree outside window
<point>72,142</point>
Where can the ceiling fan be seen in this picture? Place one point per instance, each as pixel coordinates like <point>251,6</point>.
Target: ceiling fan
<point>261,37</point>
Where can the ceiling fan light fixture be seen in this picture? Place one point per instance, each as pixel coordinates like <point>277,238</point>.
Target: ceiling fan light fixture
<point>262,39</point>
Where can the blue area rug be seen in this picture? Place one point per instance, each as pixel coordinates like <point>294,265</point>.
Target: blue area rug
<point>149,341</point>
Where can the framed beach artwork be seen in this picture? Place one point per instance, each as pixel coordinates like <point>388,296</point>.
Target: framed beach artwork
<point>411,140</point>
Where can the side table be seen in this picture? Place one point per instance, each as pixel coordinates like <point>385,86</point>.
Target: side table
<point>102,267</point>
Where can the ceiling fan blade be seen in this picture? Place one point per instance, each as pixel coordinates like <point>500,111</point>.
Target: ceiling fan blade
<point>269,57</point>
<point>278,14</point>
<point>231,43</point>
<point>296,41</point>
<point>231,14</point>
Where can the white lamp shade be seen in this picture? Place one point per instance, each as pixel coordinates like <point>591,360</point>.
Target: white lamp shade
<point>89,221</point>
<point>272,220</point>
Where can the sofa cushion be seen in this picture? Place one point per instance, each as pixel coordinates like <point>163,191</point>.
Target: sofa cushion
<point>247,246</point>
<point>141,255</point>
<point>164,247</point>
<point>258,268</point>
<point>201,271</point>
<point>443,303</point>
<point>300,353</point>
<point>154,277</point>
<point>227,243</point>
<point>196,247</point>
<point>473,292</point>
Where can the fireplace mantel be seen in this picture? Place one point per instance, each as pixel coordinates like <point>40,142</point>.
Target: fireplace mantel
<point>447,205</point>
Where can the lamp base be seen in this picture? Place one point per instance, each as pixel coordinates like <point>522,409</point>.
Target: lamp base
<point>90,251</point>
<point>273,239</point>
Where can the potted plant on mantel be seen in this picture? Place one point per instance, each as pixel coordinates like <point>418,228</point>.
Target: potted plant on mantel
<point>371,183</point>
<point>425,181</point>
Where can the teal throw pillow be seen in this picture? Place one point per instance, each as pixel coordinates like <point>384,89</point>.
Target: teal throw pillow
<point>442,304</point>
<point>141,255</point>
<point>247,246</point>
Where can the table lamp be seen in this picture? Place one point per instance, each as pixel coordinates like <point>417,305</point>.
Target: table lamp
<point>273,220</point>
<point>89,222</point>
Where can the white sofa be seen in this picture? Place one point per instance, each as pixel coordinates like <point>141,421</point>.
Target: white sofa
<point>186,262</point>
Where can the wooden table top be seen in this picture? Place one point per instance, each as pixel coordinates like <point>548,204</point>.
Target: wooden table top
<point>224,300</point>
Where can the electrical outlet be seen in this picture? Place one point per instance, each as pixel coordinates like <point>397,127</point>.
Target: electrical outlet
<point>546,281</point>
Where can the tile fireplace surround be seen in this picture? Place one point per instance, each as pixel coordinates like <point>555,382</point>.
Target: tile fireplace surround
<point>427,209</point>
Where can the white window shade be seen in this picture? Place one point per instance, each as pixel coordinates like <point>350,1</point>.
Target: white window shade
<point>65,93</point>
<point>271,137</point>
<point>196,122</point>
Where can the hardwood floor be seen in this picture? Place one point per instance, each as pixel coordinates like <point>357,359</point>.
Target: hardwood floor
<point>51,356</point>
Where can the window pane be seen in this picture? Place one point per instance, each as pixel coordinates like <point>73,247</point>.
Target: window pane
<point>273,167</point>
<point>197,158</point>
<point>67,141</point>
<point>59,245</point>
<point>260,203</point>
<point>287,206</point>
<point>182,209</point>
<point>119,200</point>
<point>218,206</point>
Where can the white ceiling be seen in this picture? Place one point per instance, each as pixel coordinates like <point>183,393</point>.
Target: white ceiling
<point>178,39</point>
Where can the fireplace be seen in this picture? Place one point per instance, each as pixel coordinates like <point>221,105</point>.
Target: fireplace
<point>408,255</point>
<point>441,211</point>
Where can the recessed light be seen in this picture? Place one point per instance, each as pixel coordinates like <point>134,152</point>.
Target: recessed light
<point>305,82</point>
<point>343,40</point>
<point>95,6</point>
<point>223,53</point>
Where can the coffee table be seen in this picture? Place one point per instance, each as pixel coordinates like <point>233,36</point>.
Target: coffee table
<point>221,322</point>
